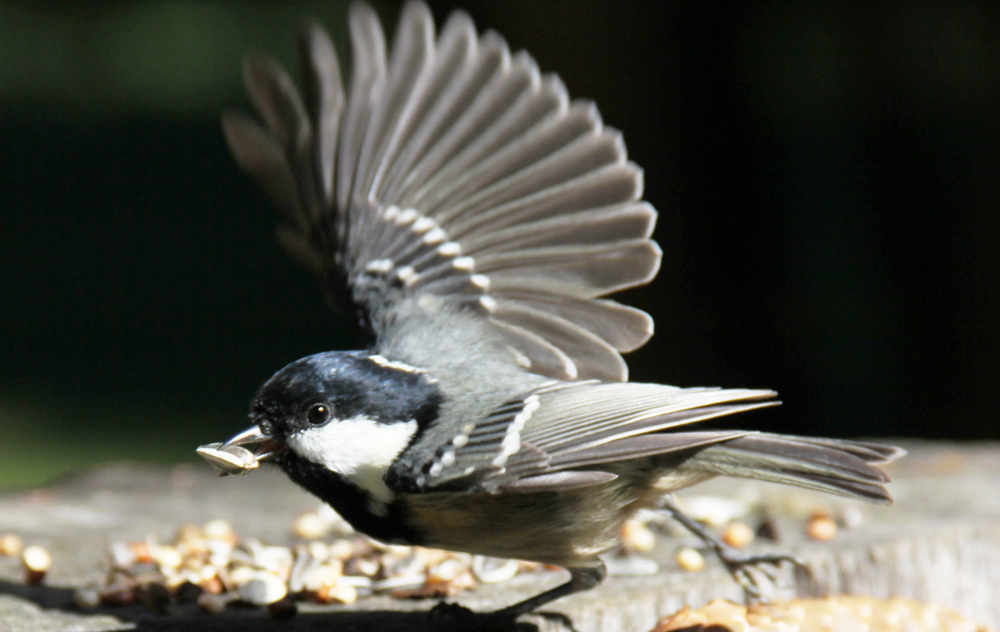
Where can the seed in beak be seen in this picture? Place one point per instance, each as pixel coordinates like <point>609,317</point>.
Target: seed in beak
<point>229,459</point>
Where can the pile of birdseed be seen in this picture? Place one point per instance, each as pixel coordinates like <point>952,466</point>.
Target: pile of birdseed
<point>213,566</point>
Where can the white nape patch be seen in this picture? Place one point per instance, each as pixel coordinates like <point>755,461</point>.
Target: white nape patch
<point>393,364</point>
<point>512,440</point>
<point>481,281</point>
<point>359,449</point>
<point>450,249</point>
<point>465,264</point>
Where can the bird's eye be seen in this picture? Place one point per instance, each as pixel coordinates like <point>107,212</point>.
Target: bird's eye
<point>319,414</point>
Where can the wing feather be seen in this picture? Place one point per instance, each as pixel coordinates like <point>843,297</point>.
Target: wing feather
<point>567,425</point>
<point>565,435</point>
<point>324,101</point>
<point>455,169</point>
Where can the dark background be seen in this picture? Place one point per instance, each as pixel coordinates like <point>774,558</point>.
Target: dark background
<point>827,176</point>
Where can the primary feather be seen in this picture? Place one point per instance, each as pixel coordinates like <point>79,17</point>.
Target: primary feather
<point>453,169</point>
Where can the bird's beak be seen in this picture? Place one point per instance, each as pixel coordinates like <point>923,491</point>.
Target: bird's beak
<point>231,458</point>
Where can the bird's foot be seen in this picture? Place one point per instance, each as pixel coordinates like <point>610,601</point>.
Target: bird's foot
<point>746,569</point>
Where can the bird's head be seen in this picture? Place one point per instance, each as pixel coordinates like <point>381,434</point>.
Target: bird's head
<point>349,413</point>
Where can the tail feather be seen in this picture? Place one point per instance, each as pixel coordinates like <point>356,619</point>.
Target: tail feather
<point>841,467</point>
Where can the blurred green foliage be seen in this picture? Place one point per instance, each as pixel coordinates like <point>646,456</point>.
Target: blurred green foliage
<point>154,58</point>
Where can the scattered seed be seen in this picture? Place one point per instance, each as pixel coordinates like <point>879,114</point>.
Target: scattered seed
<point>821,527</point>
<point>738,535</point>
<point>323,575</point>
<point>445,571</point>
<point>168,557</point>
<point>37,561</point>
<point>213,585</point>
<point>140,552</point>
<point>690,559</point>
<point>362,566</point>
<point>11,544</point>
<point>309,526</point>
<point>242,575</point>
<point>491,570</point>
<point>212,566</point>
<point>399,582</point>
<point>357,582</point>
<point>219,530</point>
<point>319,550</point>
<point>338,593</point>
<point>341,549</point>
<point>266,588</point>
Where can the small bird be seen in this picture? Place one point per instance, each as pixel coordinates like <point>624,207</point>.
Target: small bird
<point>473,217</point>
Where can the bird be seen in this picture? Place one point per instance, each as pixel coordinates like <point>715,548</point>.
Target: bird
<point>474,219</point>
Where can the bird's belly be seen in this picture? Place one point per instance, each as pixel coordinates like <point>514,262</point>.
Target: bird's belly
<point>564,529</point>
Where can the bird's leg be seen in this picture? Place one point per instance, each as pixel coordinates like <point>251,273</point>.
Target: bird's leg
<point>580,578</point>
<point>737,562</point>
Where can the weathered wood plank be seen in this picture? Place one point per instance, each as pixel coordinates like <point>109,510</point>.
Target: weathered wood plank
<point>940,543</point>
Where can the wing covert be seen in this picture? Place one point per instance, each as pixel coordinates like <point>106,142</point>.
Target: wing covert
<point>564,425</point>
<point>453,168</point>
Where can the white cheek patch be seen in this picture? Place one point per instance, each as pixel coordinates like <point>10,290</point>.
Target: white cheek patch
<point>360,449</point>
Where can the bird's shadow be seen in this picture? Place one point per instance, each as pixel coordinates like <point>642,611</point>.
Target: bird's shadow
<point>188,616</point>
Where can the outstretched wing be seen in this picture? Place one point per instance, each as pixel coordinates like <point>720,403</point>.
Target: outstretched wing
<point>540,440</point>
<point>454,169</point>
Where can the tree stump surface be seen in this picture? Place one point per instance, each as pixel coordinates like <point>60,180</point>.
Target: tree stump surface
<point>940,543</point>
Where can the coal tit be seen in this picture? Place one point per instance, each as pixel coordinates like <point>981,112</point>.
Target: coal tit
<point>473,217</point>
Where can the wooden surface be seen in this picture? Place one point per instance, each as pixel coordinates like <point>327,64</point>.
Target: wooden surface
<point>940,543</point>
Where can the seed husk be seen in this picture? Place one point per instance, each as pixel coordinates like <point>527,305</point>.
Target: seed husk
<point>738,535</point>
<point>690,559</point>
<point>11,544</point>
<point>36,561</point>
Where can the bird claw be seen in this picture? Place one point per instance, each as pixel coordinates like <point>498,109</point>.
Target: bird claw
<point>742,566</point>
<point>738,563</point>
